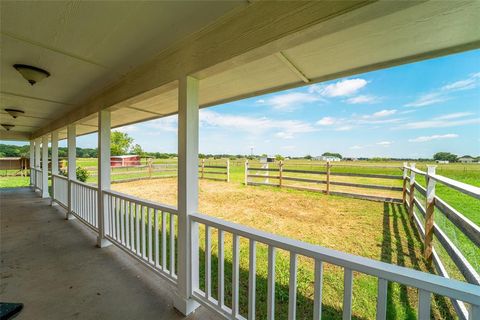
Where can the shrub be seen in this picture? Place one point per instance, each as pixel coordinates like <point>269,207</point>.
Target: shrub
<point>82,174</point>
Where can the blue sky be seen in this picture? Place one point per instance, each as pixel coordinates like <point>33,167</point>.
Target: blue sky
<point>412,111</point>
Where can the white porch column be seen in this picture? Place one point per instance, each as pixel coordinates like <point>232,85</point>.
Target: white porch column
<point>45,193</point>
<point>37,153</point>
<point>54,143</point>
<point>32,161</point>
<point>72,164</point>
<point>187,194</point>
<point>103,173</point>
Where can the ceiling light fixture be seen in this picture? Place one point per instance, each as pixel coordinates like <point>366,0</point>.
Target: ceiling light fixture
<point>15,113</point>
<point>7,127</point>
<point>31,74</point>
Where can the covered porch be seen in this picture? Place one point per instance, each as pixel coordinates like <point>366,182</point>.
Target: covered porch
<point>148,262</point>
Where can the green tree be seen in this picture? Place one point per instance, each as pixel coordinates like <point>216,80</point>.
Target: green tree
<point>120,143</point>
<point>332,154</point>
<point>445,156</point>
<point>137,150</point>
<point>279,157</point>
<point>308,157</point>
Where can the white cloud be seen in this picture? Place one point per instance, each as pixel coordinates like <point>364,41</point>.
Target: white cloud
<point>434,137</point>
<point>384,143</point>
<point>363,99</point>
<point>356,147</point>
<point>287,129</point>
<point>169,124</point>
<point>326,121</point>
<point>454,115</point>
<point>127,129</point>
<point>344,128</point>
<point>291,101</point>
<point>441,94</point>
<point>381,114</point>
<point>447,120</point>
<point>340,88</point>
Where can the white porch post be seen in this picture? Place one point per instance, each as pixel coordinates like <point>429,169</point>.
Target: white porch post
<point>37,153</point>
<point>45,193</point>
<point>32,161</point>
<point>54,143</point>
<point>103,173</point>
<point>72,164</point>
<point>187,194</point>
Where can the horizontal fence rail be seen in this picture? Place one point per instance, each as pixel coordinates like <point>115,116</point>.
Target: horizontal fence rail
<point>320,181</point>
<point>426,210</point>
<point>84,199</point>
<point>60,190</point>
<point>427,284</point>
<point>144,229</point>
<point>214,171</point>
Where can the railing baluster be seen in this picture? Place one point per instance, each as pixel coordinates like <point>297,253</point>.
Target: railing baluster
<point>137,227</point>
<point>164,240</point>
<point>235,274</point>
<point>252,272</point>
<point>122,220</point>
<point>149,217</point>
<point>318,287</point>
<point>142,223</point>
<point>172,244</point>
<point>382,299</point>
<point>292,294</point>
<point>221,269</point>
<point>127,224</point>
<point>208,262</point>
<point>271,284</point>
<point>347,293</point>
<point>117,219</point>
<point>132,227</point>
<point>423,304</point>
<point>157,254</point>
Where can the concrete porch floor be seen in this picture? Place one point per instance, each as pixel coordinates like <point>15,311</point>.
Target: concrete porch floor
<point>53,267</point>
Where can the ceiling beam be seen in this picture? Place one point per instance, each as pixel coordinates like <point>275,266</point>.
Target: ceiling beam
<point>252,32</point>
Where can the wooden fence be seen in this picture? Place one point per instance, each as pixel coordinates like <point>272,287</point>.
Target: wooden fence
<point>215,171</point>
<point>322,181</point>
<point>422,204</point>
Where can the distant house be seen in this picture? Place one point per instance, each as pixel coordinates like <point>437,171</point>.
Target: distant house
<point>267,159</point>
<point>124,161</point>
<point>466,159</point>
<point>327,158</point>
<point>442,161</point>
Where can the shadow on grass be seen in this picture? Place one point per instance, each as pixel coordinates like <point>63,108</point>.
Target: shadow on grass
<point>396,221</point>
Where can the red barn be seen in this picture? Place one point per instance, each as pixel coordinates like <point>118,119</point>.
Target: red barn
<point>124,161</point>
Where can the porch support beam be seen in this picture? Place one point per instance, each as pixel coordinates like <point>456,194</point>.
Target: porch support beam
<point>72,164</point>
<point>54,143</point>
<point>104,128</point>
<point>37,153</point>
<point>32,161</point>
<point>187,194</point>
<point>45,193</point>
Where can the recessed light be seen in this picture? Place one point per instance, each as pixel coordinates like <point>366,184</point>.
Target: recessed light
<point>7,127</point>
<point>15,113</point>
<point>31,74</point>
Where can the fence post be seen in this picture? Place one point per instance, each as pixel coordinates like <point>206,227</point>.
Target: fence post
<point>150,169</point>
<point>228,170</point>
<point>246,172</point>
<point>203,169</point>
<point>404,189</point>
<point>429,211</point>
<point>280,174</point>
<point>412,191</point>
<point>328,178</point>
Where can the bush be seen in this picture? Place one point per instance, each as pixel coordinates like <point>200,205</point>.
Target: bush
<point>82,174</point>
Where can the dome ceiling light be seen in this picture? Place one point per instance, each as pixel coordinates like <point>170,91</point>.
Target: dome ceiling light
<point>14,112</point>
<point>7,127</point>
<point>31,74</point>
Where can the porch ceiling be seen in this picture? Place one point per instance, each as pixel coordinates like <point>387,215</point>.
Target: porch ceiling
<point>256,48</point>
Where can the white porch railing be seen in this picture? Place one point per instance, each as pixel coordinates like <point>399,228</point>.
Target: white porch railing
<point>37,176</point>
<point>60,190</point>
<point>84,203</point>
<point>144,229</point>
<point>147,231</point>
<point>427,284</point>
